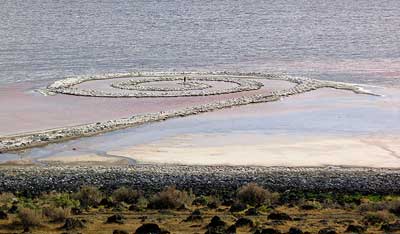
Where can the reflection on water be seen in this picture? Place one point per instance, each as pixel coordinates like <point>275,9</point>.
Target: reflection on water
<point>306,115</point>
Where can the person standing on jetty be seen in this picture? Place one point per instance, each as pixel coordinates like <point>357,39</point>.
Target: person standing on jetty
<point>184,80</point>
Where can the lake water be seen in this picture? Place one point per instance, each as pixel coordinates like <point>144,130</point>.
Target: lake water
<point>345,40</point>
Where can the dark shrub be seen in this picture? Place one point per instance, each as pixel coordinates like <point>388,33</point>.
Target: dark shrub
<point>170,198</point>
<point>88,196</point>
<point>253,195</point>
<point>126,195</point>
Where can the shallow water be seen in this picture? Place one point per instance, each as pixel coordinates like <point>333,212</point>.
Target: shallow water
<point>325,113</point>
<point>347,40</point>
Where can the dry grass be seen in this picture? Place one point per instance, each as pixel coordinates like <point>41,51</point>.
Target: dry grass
<point>88,196</point>
<point>30,218</point>
<point>172,221</point>
<point>56,214</point>
<point>171,198</point>
<point>254,195</point>
<point>126,195</point>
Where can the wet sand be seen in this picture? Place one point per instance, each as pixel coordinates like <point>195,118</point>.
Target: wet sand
<point>261,150</point>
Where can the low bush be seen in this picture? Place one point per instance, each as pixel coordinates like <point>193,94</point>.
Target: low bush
<point>310,205</point>
<point>63,200</point>
<point>29,217</point>
<point>126,195</point>
<point>213,202</point>
<point>7,198</point>
<point>170,198</point>
<point>380,217</point>
<point>56,214</point>
<point>88,196</point>
<point>142,203</point>
<point>254,195</point>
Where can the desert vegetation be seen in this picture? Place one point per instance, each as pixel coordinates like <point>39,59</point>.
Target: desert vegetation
<point>248,209</point>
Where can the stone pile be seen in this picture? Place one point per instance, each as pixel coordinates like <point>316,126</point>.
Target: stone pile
<point>201,179</point>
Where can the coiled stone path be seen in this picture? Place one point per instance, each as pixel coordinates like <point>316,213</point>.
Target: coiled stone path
<point>235,82</point>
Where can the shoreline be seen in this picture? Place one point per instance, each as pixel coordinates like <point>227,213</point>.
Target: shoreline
<point>152,177</point>
<point>42,138</point>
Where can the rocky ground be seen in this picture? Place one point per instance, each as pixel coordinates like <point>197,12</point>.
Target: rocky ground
<point>201,179</point>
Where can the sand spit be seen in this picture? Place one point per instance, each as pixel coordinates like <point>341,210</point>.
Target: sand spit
<point>302,85</point>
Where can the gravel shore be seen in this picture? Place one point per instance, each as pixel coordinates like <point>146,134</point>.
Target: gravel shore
<point>202,179</point>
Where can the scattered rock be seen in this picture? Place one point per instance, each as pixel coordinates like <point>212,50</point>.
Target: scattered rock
<point>195,216</point>
<point>307,207</point>
<point>252,212</point>
<point>345,221</point>
<point>228,202</point>
<point>200,201</point>
<point>327,231</point>
<point>133,207</point>
<point>120,232</point>
<point>237,207</point>
<point>117,218</point>
<point>3,215</point>
<point>293,230</point>
<point>213,205</point>
<point>183,207</point>
<point>231,230</point>
<point>269,231</point>
<point>76,211</point>
<point>391,227</point>
<point>241,222</point>
<point>72,223</point>
<point>216,226</point>
<point>279,216</point>
<point>355,229</point>
<point>150,228</point>
<point>323,221</point>
<point>107,203</point>
<point>13,209</point>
